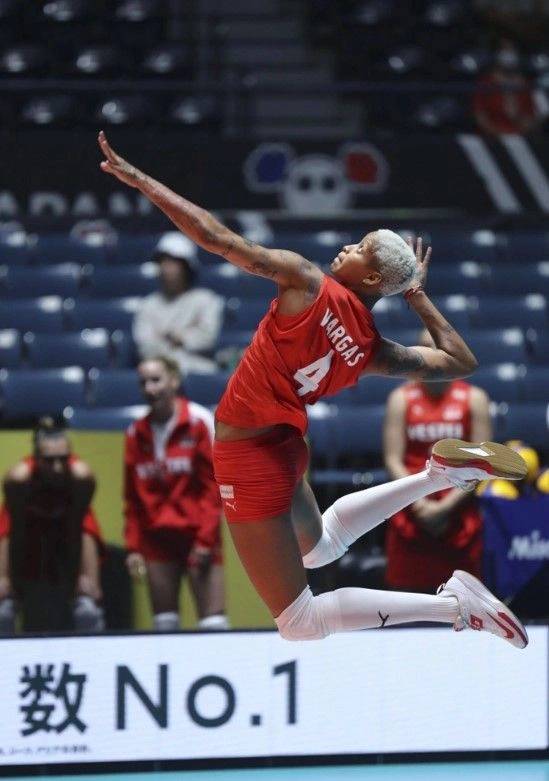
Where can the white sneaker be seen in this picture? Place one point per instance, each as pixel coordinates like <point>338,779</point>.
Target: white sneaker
<point>465,463</point>
<point>481,610</point>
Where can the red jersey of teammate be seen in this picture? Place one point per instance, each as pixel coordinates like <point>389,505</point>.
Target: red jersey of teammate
<point>414,556</point>
<point>48,505</point>
<point>295,360</point>
<point>169,481</point>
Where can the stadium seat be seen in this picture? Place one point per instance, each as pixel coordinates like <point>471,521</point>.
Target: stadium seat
<point>114,388</point>
<point>124,349</point>
<point>29,393</point>
<point>242,315</point>
<point>535,385</point>
<point>528,422</point>
<point>115,419</point>
<point>42,315</point>
<point>462,246</point>
<point>506,279</point>
<point>502,382</point>
<point>86,349</point>
<point>465,278</point>
<point>10,348</point>
<point>60,280</point>
<point>206,389</point>
<point>134,249</point>
<point>526,246</point>
<point>496,346</point>
<point>124,110</point>
<point>369,390</point>
<point>228,281</point>
<point>113,314</point>
<point>539,343</point>
<point>508,312</point>
<point>231,338</point>
<point>127,280</point>
<point>14,254</point>
<point>455,308</point>
<point>61,248</point>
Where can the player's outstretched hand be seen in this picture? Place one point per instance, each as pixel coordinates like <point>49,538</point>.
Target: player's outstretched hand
<point>116,165</point>
<point>422,261</point>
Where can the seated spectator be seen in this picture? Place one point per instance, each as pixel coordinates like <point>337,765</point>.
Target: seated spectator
<point>535,482</point>
<point>180,321</point>
<point>428,540</point>
<point>172,504</point>
<point>49,535</point>
<point>504,101</point>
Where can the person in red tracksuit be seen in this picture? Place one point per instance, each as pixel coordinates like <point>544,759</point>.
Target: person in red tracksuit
<point>172,505</point>
<point>48,495</point>
<point>428,540</point>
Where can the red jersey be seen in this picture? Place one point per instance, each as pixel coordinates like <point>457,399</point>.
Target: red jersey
<point>169,481</point>
<point>428,419</point>
<point>295,360</point>
<point>49,505</point>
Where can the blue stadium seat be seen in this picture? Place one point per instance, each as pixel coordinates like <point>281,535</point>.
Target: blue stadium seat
<point>124,349</point>
<point>114,388</point>
<point>462,246</point>
<point>10,348</point>
<point>509,312</point>
<point>528,422</point>
<point>505,279</point>
<point>455,309</point>
<point>86,349</point>
<point>228,281</point>
<point>231,338</point>
<point>28,393</point>
<point>526,246</point>
<point>107,419</point>
<point>241,315</point>
<point>358,431</point>
<point>501,382</point>
<point>61,248</point>
<point>112,314</point>
<point>496,346</point>
<point>464,278</point>
<point>369,390</point>
<point>206,389</point>
<point>14,255</point>
<point>535,385</point>
<point>42,315</point>
<point>134,249</point>
<point>61,280</point>
<point>539,343</point>
<point>392,312</point>
<point>122,281</point>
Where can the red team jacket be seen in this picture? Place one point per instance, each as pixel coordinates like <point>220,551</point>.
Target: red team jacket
<point>50,505</point>
<point>295,360</point>
<point>416,558</point>
<point>177,490</point>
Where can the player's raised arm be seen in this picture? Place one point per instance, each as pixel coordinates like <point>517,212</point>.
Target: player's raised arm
<point>286,268</point>
<point>450,358</point>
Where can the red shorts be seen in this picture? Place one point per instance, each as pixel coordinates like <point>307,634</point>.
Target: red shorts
<point>257,477</point>
<point>172,545</point>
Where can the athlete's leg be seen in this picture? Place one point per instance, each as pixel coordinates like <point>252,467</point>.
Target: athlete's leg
<point>306,517</point>
<point>353,515</point>
<point>164,579</point>
<point>270,554</point>
<point>208,590</point>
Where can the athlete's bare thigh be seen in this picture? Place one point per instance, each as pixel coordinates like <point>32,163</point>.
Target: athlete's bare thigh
<point>270,555</point>
<point>306,517</point>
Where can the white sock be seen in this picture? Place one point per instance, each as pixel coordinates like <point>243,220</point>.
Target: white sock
<point>353,515</point>
<point>166,622</point>
<point>312,618</point>
<point>219,621</point>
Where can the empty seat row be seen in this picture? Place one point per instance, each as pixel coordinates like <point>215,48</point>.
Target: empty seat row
<point>71,279</point>
<point>26,393</point>
<point>89,348</point>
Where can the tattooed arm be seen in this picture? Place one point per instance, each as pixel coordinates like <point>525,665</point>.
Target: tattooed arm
<point>449,358</point>
<point>286,268</point>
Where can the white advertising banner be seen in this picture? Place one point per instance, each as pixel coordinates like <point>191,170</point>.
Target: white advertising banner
<point>252,694</point>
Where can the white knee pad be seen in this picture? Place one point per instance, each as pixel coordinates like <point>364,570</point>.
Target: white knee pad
<point>332,545</point>
<point>219,621</point>
<point>7,616</point>
<point>166,622</point>
<point>87,615</point>
<point>308,617</point>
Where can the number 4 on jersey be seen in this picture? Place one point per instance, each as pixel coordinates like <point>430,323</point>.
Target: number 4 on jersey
<point>310,377</point>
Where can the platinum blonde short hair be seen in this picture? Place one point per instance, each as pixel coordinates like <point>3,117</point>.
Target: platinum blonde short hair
<point>396,261</point>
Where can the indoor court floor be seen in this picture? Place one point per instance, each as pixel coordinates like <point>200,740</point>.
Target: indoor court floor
<point>466,771</point>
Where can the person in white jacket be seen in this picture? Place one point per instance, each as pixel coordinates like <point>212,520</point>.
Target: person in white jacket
<point>181,321</point>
